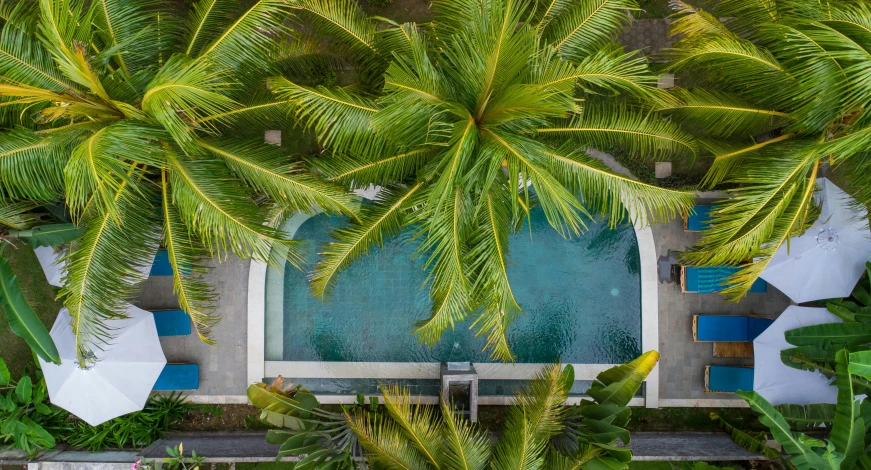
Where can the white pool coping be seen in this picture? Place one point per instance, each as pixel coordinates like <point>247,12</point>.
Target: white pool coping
<point>258,367</point>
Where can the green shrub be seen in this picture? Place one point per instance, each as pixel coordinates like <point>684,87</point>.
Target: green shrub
<point>161,413</point>
<point>27,420</point>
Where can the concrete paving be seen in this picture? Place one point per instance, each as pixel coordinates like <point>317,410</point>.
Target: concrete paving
<point>222,366</point>
<point>683,361</point>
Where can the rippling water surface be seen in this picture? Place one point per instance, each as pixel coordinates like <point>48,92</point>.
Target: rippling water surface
<point>581,301</point>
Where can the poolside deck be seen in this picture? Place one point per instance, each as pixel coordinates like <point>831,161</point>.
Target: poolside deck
<point>223,367</point>
<point>681,379</point>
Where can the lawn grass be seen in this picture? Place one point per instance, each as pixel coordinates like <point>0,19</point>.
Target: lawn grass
<point>41,296</point>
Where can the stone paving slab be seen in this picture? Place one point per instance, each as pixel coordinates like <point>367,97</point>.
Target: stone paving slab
<point>683,361</point>
<point>223,366</point>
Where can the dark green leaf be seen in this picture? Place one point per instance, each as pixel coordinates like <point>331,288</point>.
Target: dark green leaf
<point>22,319</point>
<point>24,389</point>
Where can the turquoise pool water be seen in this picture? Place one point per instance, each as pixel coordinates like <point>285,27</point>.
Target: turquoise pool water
<point>581,299</point>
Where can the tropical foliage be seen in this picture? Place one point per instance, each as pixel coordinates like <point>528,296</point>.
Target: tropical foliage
<point>539,431</point>
<point>774,91</point>
<point>27,420</point>
<point>17,221</point>
<point>850,436</point>
<point>816,347</point>
<point>135,116</point>
<point>464,123</point>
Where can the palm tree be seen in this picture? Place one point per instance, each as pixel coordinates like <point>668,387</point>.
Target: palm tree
<point>779,88</point>
<point>136,117</point>
<point>466,122</point>
<point>539,431</point>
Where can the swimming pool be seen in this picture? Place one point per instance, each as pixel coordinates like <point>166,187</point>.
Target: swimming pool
<point>581,299</point>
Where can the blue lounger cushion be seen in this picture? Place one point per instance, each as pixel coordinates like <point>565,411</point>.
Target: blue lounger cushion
<point>172,322</point>
<point>178,377</point>
<point>730,379</point>
<point>701,220</point>
<point>729,327</point>
<point>710,279</point>
<point>161,266</point>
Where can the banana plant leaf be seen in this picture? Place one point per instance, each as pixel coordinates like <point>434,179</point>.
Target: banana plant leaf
<point>49,235</point>
<point>22,319</point>
<point>808,417</point>
<point>826,334</point>
<point>295,403</point>
<point>849,311</point>
<point>848,429</point>
<point>751,441</point>
<point>860,364</point>
<point>800,447</point>
<point>619,384</point>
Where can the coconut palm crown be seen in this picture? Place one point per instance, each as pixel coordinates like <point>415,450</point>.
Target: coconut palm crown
<point>779,89</point>
<point>134,115</point>
<point>476,118</point>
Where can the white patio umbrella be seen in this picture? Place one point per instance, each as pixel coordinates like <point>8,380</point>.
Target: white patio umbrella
<point>54,266</point>
<point>779,383</point>
<point>828,259</point>
<point>121,379</point>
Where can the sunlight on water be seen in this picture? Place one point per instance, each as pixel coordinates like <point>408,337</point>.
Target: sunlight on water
<point>573,311</point>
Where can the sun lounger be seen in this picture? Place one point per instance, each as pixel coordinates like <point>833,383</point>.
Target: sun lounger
<point>178,376</point>
<point>728,327</point>
<point>699,221</point>
<point>161,266</point>
<point>711,279</point>
<point>172,322</point>
<point>728,379</point>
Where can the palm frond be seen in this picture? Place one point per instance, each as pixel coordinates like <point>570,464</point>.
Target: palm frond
<point>207,20</point>
<point>375,224</point>
<point>817,98</point>
<point>774,193</point>
<point>267,168</point>
<point>16,214</point>
<point>31,166</point>
<point>488,255</point>
<point>465,447</point>
<point>64,30</point>
<point>344,21</point>
<point>536,415</point>
<point>384,443</point>
<point>219,209</point>
<point>586,26</point>
<point>250,41</point>
<point>444,228</point>
<point>126,34</point>
<point>24,60</point>
<point>738,63</point>
<point>723,115</point>
<point>182,94</point>
<point>525,157</point>
<point>105,265</point>
<point>746,15</point>
<point>392,168</point>
<point>339,118</point>
<point>612,71</point>
<point>690,21</point>
<point>91,173</point>
<point>195,296</point>
<point>617,197</point>
<point>729,157</point>
<point>417,423</point>
<point>639,134</point>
